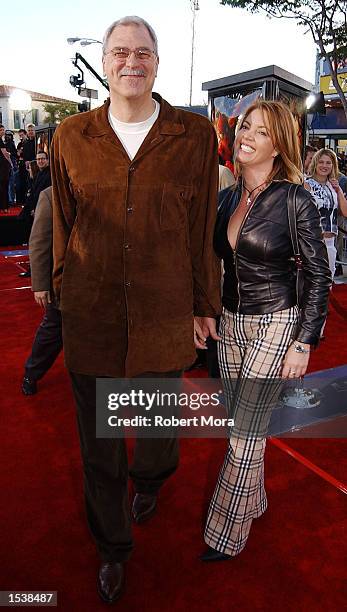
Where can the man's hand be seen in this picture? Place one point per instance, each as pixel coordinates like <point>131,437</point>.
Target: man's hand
<point>42,298</point>
<point>203,328</point>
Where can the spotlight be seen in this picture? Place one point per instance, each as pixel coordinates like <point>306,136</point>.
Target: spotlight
<point>315,103</point>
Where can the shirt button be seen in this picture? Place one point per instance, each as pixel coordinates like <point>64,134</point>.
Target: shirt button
<point>127,283</point>
<point>127,246</point>
<point>130,209</point>
<point>132,169</point>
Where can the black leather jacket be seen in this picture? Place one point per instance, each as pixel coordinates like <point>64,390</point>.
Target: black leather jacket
<point>260,276</point>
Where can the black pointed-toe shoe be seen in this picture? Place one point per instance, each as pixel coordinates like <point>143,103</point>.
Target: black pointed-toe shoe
<point>144,506</point>
<point>213,555</point>
<point>110,581</point>
<point>29,387</point>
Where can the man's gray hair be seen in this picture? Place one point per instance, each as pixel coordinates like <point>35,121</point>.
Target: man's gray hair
<point>130,20</point>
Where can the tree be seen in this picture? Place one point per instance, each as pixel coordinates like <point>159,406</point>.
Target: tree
<point>57,111</point>
<point>325,19</point>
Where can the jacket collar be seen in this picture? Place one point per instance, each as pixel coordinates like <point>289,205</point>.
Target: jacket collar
<point>169,122</point>
<point>229,198</point>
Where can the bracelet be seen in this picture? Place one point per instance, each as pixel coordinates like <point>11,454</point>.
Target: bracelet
<point>298,348</point>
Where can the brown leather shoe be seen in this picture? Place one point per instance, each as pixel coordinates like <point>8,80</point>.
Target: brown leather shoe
<point>110,581</point>
<point>144,506</point>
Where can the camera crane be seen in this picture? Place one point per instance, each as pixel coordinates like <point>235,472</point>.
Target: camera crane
<point>78,81</point>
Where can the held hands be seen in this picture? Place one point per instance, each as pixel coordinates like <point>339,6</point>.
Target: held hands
<point>295,364</point>
<point>42,298</point>
<point>204,327</point>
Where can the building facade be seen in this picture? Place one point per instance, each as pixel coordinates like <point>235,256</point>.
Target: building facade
<point>330,130</point>
<point>14,119</point>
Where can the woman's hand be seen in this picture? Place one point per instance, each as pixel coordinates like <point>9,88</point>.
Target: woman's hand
<point>295,364</point>
<point>335,185</point>
<point>204,327</point>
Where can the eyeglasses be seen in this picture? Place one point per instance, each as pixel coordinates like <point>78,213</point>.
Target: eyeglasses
<point>123,53</point>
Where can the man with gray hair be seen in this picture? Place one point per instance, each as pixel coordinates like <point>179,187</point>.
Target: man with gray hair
<point>135,197</point>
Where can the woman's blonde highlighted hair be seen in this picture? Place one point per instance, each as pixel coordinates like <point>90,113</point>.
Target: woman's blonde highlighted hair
<point>284,135</point>
<point>315,159</point>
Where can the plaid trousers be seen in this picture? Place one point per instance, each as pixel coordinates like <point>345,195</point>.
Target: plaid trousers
<point>251,350</point>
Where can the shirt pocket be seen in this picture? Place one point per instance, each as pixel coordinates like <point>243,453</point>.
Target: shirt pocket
<point>174,207</point>
<point>84,194</point>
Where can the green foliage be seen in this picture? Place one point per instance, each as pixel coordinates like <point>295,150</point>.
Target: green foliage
<point>57,111</point>
<point>341,42</point>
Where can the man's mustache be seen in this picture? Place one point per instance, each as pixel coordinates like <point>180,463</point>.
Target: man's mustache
<point>130,72</point>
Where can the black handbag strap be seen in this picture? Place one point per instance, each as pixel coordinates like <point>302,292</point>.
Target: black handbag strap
<point>291,205</point>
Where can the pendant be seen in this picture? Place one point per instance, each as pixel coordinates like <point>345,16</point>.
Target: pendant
<point>248,201</point>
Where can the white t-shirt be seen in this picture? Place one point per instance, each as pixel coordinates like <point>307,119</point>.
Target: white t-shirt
<point>326,200</point>
<point>132,135</point>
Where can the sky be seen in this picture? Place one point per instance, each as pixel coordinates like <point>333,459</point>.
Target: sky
<point>34,53</point>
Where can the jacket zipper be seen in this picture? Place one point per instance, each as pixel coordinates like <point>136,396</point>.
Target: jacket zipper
<point>237,241</point>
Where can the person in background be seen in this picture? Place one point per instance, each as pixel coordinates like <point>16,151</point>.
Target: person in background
<point>342,227</point>
<point>11,148</point>
<point>22,135</point>
<point>329,197</point>
<point>342,162</point>
<point>48,339</point>
<point>40,181</point>
<point>29,153</point>
<point>264,337</point>
<point>29,145</point>
<point>342,178</point>
<point>226,177</point>
<point>5,169</point>
<point>22,175</point>
<point>209,357</point>
<point>309,153</point>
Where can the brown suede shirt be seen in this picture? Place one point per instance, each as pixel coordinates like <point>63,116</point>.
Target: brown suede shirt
<point>132,241</point>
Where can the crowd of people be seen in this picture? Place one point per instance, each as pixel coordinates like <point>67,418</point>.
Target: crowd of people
<point>15,163</point>
<point>126,251</point>
<point>24,173</point>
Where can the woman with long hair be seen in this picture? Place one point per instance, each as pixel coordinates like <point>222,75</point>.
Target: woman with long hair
<point>265,336</point>
<point>329,197</point>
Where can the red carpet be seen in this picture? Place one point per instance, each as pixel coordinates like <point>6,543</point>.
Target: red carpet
<point>13,211</point>
<point>295,558</point>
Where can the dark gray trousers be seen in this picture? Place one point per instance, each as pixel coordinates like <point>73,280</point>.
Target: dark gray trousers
<point>105,466</point>
<point>48,343</point>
